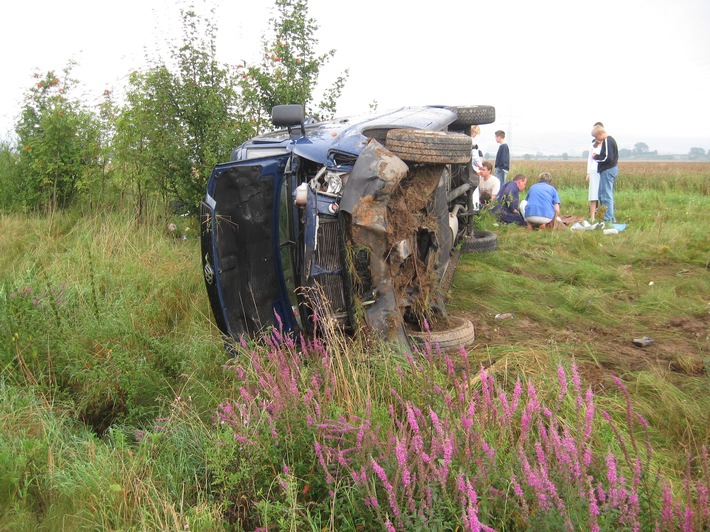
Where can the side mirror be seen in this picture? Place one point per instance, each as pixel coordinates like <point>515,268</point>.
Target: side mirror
<point>289,116</point>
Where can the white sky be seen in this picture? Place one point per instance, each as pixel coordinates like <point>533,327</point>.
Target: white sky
<point>551,67</point>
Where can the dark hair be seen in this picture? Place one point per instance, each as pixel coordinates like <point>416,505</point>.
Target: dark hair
<point>519,177</point>
<point>500,133</point>
<point>598,124</point>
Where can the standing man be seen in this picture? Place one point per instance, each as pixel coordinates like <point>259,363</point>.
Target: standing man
<point>607,161</point>
<point>502,158</point>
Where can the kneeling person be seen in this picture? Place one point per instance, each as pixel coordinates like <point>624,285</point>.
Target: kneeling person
<point>507,206</point>
<point>543,203</point>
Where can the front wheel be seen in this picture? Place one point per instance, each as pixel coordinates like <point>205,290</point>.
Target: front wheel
<point>423,146</point>
<point>474,115</point>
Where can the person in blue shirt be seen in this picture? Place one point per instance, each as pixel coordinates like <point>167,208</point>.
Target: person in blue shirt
<point>543,203</point>
<point>507,206</point>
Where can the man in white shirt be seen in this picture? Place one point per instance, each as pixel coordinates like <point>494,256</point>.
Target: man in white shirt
<point>489,185</point>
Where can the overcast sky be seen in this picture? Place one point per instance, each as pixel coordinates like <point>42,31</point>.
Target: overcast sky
<point>551,68</point>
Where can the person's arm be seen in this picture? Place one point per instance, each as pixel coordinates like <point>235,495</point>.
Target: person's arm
<point>613,150</point>
<point>496,186</point>
<point>515,200</point>
<point>590,162</point>
<point>602,153</point>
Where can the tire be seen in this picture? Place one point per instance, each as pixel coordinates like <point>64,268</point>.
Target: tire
<point>460,334</point>
<point>423,146</point>
<point>480,242</point>
<point>475,115</point>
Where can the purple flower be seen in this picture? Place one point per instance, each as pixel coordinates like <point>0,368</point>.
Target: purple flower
<point>507,411</point>
<point>611,474</point>
<point>589,417</point>
<point>667,508</point>
<point>516,395</point>
<point>563,382</point>
<point>435,421</point>
<point>382,475</point>
<point>400,452</point>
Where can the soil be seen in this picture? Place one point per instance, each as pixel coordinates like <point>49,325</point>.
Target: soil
<point>677,347</point>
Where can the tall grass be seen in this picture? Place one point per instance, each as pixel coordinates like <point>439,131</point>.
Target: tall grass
<point>102,312</point>
<point>681,176</point>
<point>446,446</point>
<point>119,408</point>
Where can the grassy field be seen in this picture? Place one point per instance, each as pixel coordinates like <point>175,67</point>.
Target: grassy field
<point>119,408</point>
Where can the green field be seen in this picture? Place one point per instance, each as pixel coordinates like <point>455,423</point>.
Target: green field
<point>119,409</point>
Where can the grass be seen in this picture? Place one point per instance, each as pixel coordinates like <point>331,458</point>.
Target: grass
<point>119,408</point>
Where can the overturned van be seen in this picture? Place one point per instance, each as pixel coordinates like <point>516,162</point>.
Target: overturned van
<point>350,222</point>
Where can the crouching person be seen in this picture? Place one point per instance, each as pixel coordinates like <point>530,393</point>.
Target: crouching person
<point>543,203</point>
<point>507,204</point>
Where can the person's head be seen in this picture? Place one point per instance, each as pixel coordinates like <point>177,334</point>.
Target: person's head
<point>544,177</point>
<point>598,124</point>
<point>598,132</point>
<point>486,169</point>
<point>475,130</point>
<point>521,181</point>
<point>500,136</point>
<point>485,197</point>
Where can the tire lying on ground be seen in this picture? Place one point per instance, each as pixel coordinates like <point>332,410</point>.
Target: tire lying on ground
<point>480,242</point>
<point>459,333</point>
<point>437,147</point>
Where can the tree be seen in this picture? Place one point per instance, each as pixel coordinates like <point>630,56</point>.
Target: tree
<point>696,153</point>
<point>178,123</point>
<point>289,69</point>
<point>59,143</point>
<point>640,148</point>
<point>11,186</point>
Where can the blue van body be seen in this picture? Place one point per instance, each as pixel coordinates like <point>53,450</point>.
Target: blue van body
<point>277,219</point>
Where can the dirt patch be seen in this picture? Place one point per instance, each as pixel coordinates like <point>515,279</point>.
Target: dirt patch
<point>414,277</point>
<point>693,327</point>
<point>679,349</point>
<point>406,210</point>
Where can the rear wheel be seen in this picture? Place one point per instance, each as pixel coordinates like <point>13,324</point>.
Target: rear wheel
<point>422,146</point>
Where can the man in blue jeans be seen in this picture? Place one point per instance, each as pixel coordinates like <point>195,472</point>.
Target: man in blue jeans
<point>607,161</point>
<point>502,165</point>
